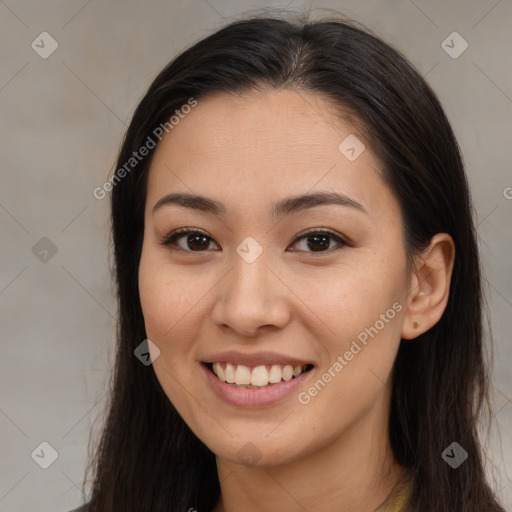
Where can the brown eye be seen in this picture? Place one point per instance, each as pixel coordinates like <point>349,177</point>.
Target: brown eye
<point>190,240</point>
<point>319,241</point>
<point>194,241</point>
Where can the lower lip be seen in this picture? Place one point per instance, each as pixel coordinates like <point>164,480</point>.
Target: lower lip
<point>251,397</point>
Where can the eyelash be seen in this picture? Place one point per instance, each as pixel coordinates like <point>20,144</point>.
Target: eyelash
<point>175,235</point>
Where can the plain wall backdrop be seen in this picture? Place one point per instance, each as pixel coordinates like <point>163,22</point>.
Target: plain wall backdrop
<point>64,110</point>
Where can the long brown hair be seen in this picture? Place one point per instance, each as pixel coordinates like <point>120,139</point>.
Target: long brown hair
<point>147,458</point>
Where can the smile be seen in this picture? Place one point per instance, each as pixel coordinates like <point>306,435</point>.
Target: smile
<point>258,376</point>
<point>263,385</point>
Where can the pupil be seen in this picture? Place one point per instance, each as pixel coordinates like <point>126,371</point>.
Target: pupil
<point>324,242</point>
<point>191,240</point>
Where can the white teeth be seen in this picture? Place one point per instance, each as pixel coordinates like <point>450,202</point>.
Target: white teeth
<point>242,375</point>
<point>229,373</point>
<point>274,375</point>
<point>260,376</point>
<point>217,368</point>
<point>288,372</point>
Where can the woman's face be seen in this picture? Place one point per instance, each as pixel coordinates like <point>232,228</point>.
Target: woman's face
<point>256,285</point>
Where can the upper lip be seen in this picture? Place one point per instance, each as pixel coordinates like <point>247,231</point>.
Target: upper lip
<point>255,359</point>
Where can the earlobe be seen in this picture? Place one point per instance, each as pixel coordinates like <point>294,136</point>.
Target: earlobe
<point>430,286</point>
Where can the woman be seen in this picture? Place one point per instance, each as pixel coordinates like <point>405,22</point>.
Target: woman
<point>295,255</point>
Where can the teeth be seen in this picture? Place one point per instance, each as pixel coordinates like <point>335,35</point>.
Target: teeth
<point>287,372</point>
<point>217,368</point>
<point>229,373</point>
<point>242,375</point>
<point>274,375</point>
<point>260,376</point>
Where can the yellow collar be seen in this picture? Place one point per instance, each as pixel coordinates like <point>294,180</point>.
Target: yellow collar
<point>398,497</point>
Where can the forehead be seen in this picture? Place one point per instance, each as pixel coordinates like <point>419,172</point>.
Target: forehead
<point>262,144</point>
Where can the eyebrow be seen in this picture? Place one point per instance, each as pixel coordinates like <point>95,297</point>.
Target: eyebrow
<point>284,207</point>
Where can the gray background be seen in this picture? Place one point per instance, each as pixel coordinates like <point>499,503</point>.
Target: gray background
<point>62,121</point>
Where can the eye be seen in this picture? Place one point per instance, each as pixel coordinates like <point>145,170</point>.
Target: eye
<point>319,240</point>
<point>195,241</point>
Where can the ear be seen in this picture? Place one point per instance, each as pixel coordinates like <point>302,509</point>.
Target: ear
<point>430,286</point>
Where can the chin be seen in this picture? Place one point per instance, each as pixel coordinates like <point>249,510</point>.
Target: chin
<point>251,452</point>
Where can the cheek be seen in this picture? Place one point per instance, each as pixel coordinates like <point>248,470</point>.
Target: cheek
<point>362,306</point>
<point>167,295</point>
<point>155,300</point>
<point>353,296</point>
<point>166,309</point>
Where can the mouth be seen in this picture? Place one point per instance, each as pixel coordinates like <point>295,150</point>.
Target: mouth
<point>255,377</point>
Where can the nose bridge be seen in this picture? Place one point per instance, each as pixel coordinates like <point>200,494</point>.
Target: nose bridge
<point>249,274</point>
<point>251,296</point>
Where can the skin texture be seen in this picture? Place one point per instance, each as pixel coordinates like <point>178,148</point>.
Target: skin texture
<point>249,152</point>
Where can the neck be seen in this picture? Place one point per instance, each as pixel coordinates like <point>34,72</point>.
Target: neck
<point>355,472</point>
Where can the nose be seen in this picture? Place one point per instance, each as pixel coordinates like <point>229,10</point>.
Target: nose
<point>251,299</point>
